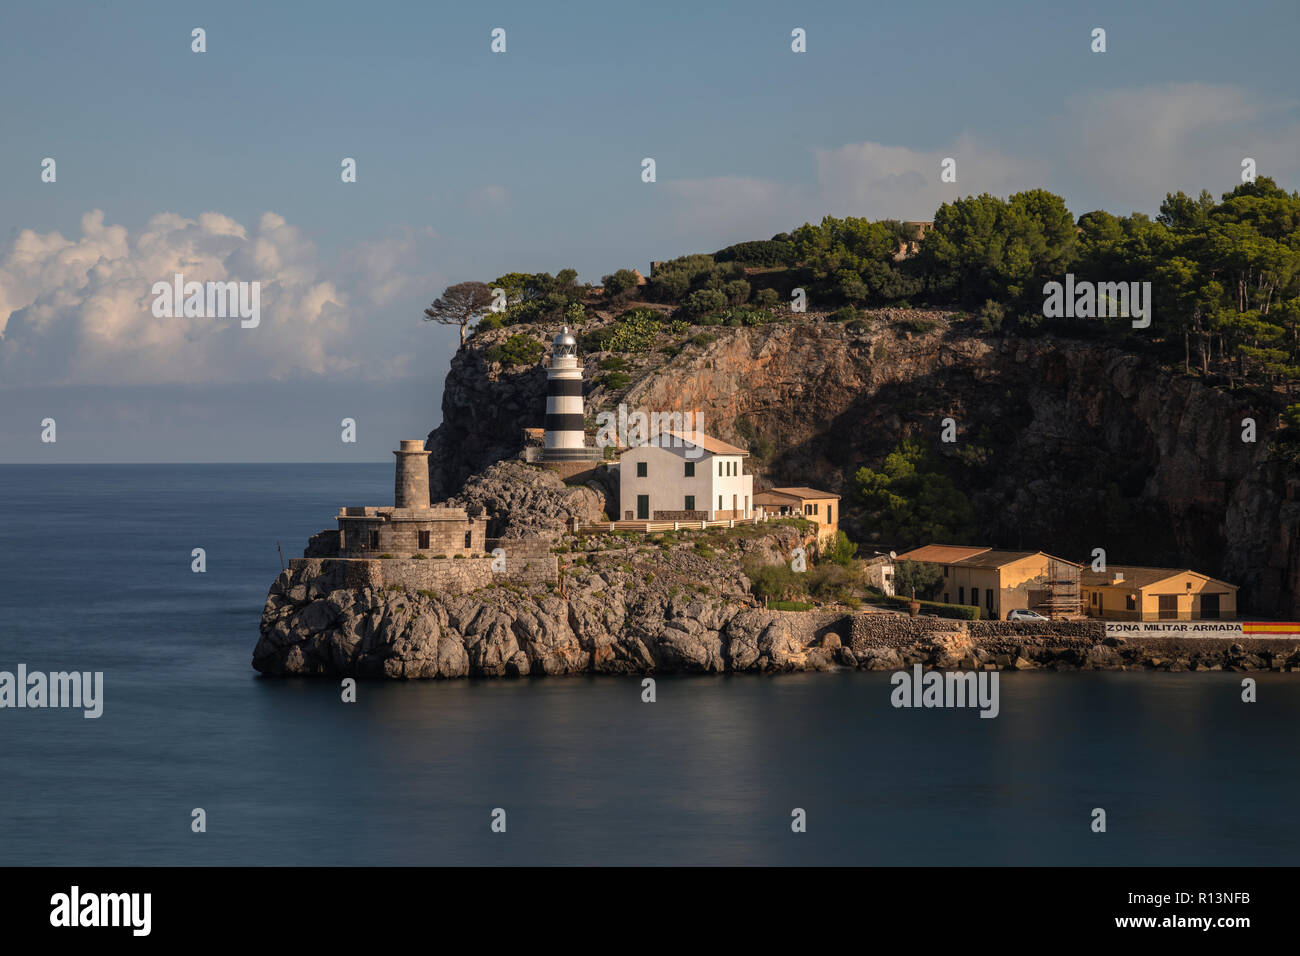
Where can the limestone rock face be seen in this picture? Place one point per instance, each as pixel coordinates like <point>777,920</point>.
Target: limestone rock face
<point>623,606</point>
<point>1076,431</point>
<point>513,632</point>
<point>520,501</point>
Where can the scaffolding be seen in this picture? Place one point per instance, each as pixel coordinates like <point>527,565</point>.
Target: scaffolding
<point>1062,595</point>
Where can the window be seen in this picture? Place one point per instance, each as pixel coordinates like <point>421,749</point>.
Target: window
<point>719,467</point>
<point>830,514</point>
<point>690,469</point>
<point>424,540</point>
<point>469,539</point>
<point>1168,607</point>
<point>374,539</point>
<point>640,469</point>
<point>988,599</point>
<point>719,502</point>
<point>975,596</point>
<point>746,503</point>
<point>1130,603</point>
<point>690,502</point>
<point>945,570</point>
<point>961,595</point>
<point>1094,597</point>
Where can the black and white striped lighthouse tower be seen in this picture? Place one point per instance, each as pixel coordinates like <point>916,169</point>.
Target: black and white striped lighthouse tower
<point>563,440</point>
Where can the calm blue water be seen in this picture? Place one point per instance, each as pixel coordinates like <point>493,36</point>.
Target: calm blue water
<point>95,575</point>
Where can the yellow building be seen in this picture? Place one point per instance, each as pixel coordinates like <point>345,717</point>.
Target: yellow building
<point>999,582</point>
<point>819,507</point>
<point>1130,593</point>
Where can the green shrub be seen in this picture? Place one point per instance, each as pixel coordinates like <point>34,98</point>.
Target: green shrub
<point>489,322</point>
<point>620,284</point>
<point>636,333</point>
<point>991,316</point>
<point>763,252</point>
<point>846,314</point>
<point>960,612</point>
<point>840,551</point>
<point>519,349</point>
<point>773,581</point>
<point>613,363</point>
<point>385,555</point>
<point>736,291</point>
<point>419,557</point>
<point>616,380</point>
<point>917,323</point>
<point>747,316</point>
<point>703,339</point>
<point>705,301</point>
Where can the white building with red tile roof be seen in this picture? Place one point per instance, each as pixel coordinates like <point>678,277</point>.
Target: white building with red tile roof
<point>684,476</point>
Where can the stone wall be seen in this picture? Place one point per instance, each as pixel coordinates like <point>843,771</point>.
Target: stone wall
<point>399,533</point>
<point>439,575</point>
<point>893,630</point>
<point>527,559</point>
<point>889,641</point>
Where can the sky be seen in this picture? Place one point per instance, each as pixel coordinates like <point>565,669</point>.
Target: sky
<point>226,165</point>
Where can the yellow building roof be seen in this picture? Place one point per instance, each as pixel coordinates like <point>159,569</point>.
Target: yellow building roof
<point>1136,576</point>
<point>941,553</point>
<point>804,493</point>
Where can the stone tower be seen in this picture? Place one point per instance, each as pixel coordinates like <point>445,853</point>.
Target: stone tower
<point>411,489</point>
<point>563,439</point>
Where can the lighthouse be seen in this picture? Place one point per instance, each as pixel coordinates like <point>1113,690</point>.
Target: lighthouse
<point>563,440</point>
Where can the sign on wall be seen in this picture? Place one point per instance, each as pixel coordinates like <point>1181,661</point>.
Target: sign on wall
<point>1227,629</point>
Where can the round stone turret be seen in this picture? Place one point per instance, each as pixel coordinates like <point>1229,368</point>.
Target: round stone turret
<point>411,489</point>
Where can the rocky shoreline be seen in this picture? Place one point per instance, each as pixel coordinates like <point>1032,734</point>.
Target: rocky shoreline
<point>610,622</point>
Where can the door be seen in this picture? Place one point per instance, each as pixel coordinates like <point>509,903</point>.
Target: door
<point>1168,607</point>
<point>643,507</point>
<point>1210,607</point>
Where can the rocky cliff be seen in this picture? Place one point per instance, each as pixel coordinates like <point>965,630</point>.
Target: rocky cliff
<point>1080,443</point>
<point>623,606</point>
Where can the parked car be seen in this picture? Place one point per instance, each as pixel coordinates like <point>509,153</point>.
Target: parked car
<point>1019,615</point>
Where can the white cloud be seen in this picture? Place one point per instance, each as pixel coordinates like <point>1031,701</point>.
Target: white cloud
<point>79,310</point>
<point>895,182</point>
<point>873,180</point>
<point>1121,149</point>
<point>1135,145</point>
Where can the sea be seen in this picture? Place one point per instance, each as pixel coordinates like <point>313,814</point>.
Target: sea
<point>96,575</point>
